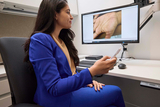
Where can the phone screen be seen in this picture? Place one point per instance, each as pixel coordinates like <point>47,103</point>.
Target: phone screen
<point>116,53</point>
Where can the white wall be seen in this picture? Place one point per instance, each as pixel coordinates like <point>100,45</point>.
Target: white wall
<point>148,48</point>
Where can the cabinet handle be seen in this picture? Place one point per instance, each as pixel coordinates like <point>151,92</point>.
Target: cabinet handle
<point>18,7</point>
<point>151,85</point>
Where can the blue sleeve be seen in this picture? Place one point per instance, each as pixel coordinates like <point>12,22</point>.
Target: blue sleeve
<point>44,63</point>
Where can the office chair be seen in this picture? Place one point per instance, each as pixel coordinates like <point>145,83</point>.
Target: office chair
<point>22,81</point>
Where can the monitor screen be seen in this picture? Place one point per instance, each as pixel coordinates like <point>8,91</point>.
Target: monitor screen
<point>115,25</point>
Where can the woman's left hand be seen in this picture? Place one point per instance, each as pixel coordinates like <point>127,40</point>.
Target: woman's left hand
<point>97,85</point>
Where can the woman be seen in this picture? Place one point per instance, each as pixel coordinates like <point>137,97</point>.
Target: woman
<point>54,59</point>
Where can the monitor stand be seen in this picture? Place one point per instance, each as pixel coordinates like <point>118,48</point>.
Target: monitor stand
<point>124,49</point>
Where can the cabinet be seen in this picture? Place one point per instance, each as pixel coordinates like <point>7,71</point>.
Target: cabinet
<point>35,4</point>
<point>73,6</point>
<point>5,97</point>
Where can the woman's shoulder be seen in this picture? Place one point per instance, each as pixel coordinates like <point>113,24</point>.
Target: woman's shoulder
<point>42,38</point>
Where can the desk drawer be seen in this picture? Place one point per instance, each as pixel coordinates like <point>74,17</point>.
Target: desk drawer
<point>4,86</point>
<point>5,100</point>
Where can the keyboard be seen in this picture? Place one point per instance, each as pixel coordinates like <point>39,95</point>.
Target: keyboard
<point>88,62</point>
<point>85,65</point>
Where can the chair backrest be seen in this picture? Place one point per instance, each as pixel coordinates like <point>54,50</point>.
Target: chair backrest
<point>22,81</point>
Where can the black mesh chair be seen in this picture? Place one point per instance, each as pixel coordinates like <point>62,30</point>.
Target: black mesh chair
<point>22,81</point>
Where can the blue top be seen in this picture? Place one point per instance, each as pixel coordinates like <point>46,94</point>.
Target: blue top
<point>55,82</point>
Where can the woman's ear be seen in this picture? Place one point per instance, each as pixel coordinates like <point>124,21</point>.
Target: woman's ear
<point>56,15</point>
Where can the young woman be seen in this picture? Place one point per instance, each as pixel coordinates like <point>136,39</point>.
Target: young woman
<point>54,58</point>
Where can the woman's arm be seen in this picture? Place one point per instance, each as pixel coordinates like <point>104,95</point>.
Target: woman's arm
<point>41,56</point>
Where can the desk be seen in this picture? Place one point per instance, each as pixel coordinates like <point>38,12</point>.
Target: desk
<point>143,70</point>
<point>129,81</point>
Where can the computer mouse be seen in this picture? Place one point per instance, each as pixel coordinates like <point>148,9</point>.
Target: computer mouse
<point>122,66</point>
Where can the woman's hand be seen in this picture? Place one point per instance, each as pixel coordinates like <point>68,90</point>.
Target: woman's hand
<point>97,85</point>
<point>102,66</point>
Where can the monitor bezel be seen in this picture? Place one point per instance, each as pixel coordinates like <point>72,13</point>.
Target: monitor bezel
<point>113,42</point>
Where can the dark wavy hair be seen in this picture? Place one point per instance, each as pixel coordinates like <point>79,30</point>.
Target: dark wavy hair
<point>45,23</point>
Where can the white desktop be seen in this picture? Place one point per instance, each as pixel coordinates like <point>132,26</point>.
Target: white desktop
<point>136,69</point>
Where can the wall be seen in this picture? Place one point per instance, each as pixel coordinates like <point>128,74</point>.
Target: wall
<point>15,26</point>
<point>149,35</point>
<point>12,25</point>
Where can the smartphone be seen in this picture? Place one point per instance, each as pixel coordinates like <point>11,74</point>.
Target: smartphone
<point>116,53</point>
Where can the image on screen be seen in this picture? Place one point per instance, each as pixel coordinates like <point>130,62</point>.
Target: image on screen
<point>107,25</point>
<point>116,25</point>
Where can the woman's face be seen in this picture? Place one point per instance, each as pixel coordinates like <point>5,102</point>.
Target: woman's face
<point>64,18</point>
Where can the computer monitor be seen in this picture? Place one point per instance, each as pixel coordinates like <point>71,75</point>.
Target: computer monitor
<point>114,25</point>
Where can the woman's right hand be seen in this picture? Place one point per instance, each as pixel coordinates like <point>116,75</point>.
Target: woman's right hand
<point>102,66</point>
